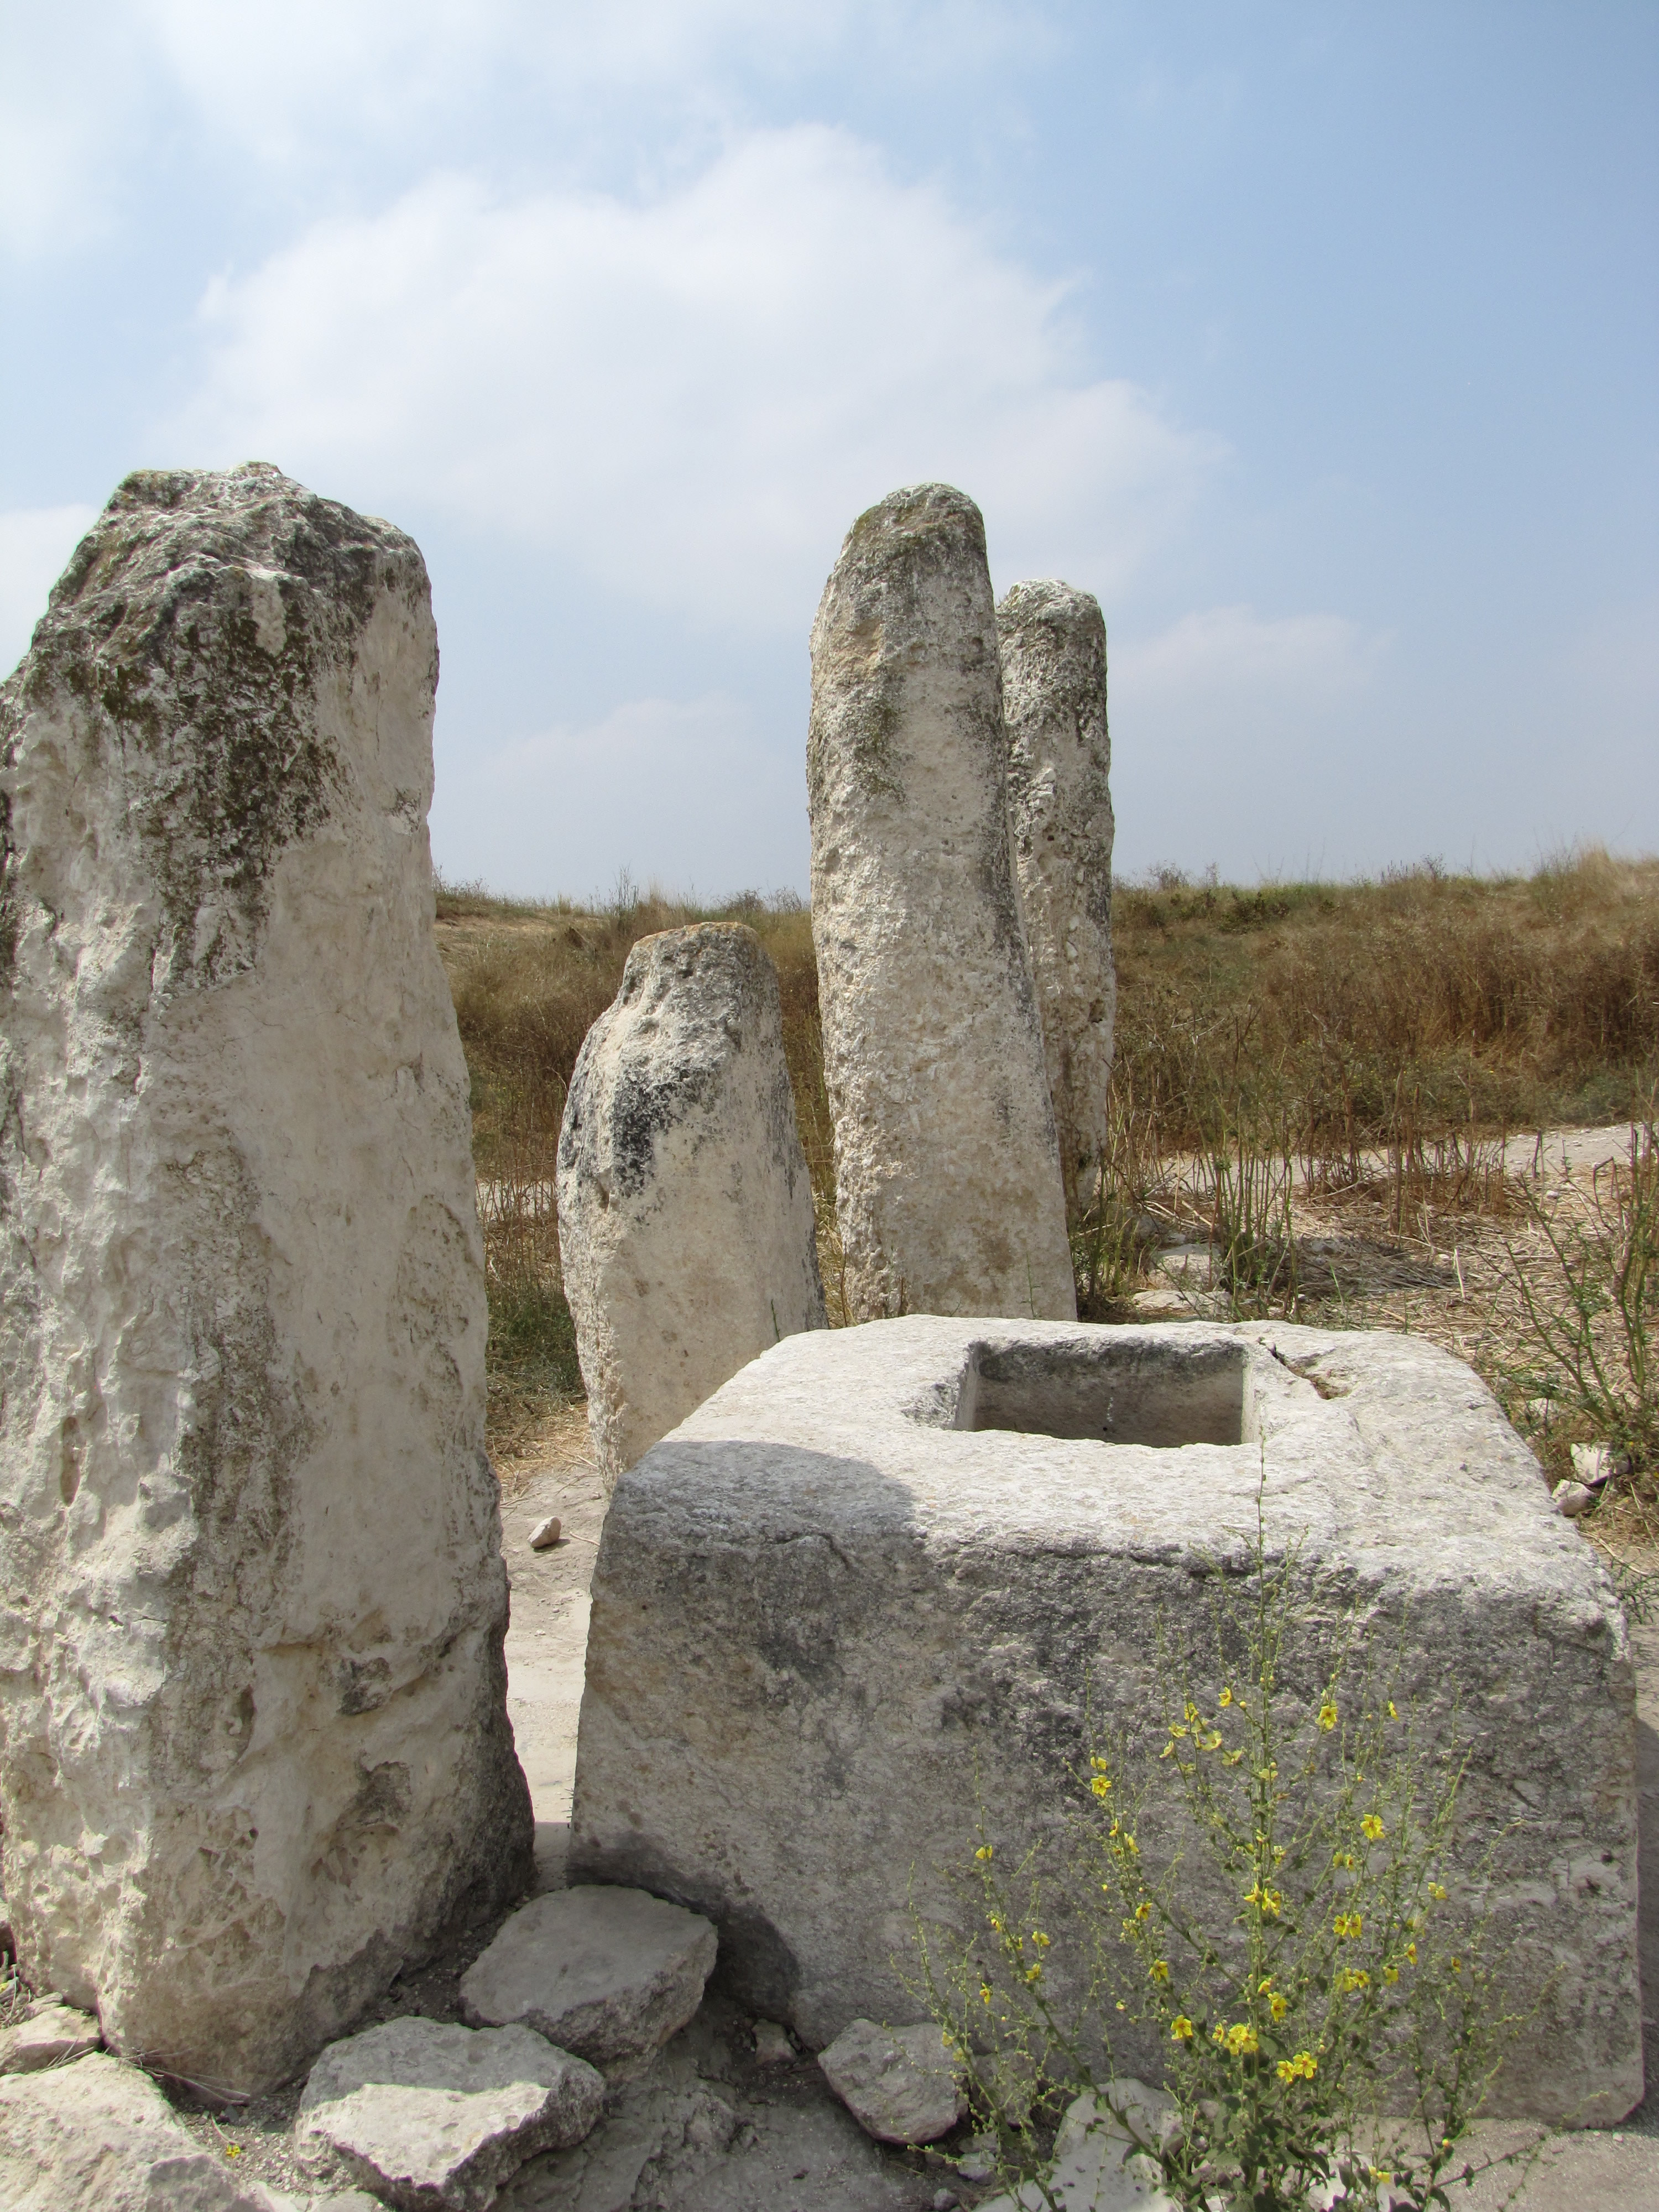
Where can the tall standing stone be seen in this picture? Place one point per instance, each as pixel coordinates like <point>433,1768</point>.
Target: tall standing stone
<point>948,1183</point>
<point>253,1741</point>
<point>686,1215</point>
<point>1053,643</point>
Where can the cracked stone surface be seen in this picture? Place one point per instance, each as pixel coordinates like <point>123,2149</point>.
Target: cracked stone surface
<point>1052,639</point>
<point>607,1972</point>
<point>50,2035</point>
<point>948,1187</point>
<point>252,1693</point>
<point>898,2083</point>
<point>433,2117</point>
<point>99,2136</point>
<point>685,1211</point>
<point>881,1555</point>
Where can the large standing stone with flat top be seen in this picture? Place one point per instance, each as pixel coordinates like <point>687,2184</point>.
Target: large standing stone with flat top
<point>1052,643</point>
<point>685,1215</point>
<point>890,1581</point>
<point>255,1746</point>
<point>947,1173</point>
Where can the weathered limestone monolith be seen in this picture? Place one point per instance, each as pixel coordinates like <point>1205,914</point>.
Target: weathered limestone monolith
<point>686,1215</point>
<point>254,1749</point>
<point>948,1183</point>
<point>1053,644</point>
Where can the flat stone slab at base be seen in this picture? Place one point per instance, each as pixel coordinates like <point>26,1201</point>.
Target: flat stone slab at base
<point>433,2117</point>
<point>99,2136</point>
<point>608,1973</point>
<point>897,2082</point>
<point>879,1555</point>
<point>51,2035</point>
<point>1097,2167</point>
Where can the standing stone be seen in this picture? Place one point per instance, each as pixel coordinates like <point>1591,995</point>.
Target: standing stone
<point>685,1215</point>
<point>948,1184</point>
<point>253,1741</point>
<point>1053,643</point>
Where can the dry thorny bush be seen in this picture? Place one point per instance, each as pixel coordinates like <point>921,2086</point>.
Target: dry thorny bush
<point>1317,1080</point>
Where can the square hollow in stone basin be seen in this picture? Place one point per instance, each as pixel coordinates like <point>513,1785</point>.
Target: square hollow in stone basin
<point>1113,1392</point>
<point>885,1572</point>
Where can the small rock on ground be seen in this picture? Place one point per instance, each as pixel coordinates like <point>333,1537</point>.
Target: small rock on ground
<point>433,2116</point>
<point>1097,2167</point>
<point>51,2035</point>
<point>97,2135</point>
<point>772,2044</point>
<point>545,1534</point>
<point>610,1973</point>
<point>898,2083</point>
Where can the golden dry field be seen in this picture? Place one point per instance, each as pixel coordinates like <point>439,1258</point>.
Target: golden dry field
<point>1335,1096</point>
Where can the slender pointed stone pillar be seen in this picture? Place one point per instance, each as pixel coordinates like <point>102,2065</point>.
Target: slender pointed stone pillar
<point>253,1741</point>
<point>1053,644</point>
<point>948,1184</point>
<point>685,1215</point>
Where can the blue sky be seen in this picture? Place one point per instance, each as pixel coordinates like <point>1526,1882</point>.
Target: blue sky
<point>1321,341</point>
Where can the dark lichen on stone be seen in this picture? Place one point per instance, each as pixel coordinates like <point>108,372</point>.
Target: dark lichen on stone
<point>206,715</point>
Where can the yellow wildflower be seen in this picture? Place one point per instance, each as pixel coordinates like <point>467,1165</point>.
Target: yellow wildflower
<point>1436,1892</point>
<point>1302,2067</point>
<point>1181,2028</point>
<point>1355,1978</point>
<point>1100,1785</point>
<point>1372,1829</point>
<point>1037,1937</point>
<point>1391,1975</point>
<point>1349,1924</point>
<point>1232,1758</point>
<point>1327,1716</point>
<point>1410,1952</point>
<point>1034,1973</point>
<point>1159,1970</point>
<point>984,1851</point>
<point>985,1993</point>
<point>1241,2039</point>
<point>1192,1711</point>
<point>1393,1716</point>
<point>1226,1697</point>
<point>1144,1910</point>
<point>1278,2006</point>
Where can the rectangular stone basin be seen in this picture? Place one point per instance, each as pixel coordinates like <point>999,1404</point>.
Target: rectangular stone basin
<point>882,1561</point>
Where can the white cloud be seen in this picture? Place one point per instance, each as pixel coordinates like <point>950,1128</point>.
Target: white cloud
<point>689,398</point>
<point>35,544</point>
<point>1228,655</point>
<point>685,792</point>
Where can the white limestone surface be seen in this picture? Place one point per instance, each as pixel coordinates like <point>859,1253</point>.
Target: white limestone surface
<point>888,1572</point>
<point>433,2116</point>
<point>1052,639</point>
<point>608,1972</point>
<point>685,1215</point>
<point>948,1187</point>
<point>99,2136</point>
<point>253,1743</point>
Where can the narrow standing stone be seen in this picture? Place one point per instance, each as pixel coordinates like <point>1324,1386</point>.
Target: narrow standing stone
<point>253,1703</point>
<point>1053,644</point>
<point>685,1215</point>
<point>948,1184</point>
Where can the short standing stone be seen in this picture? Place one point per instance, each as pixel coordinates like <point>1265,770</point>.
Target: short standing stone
<point>610,1973</point>
<point>1052,643</point>
<point>685,1215</point>
<point>99,2136</point>
<point>948,1183</point>
<point>52,2035</point>
<point>253,1703</point>
<point>433,2117</point>
<point>897,2082</point>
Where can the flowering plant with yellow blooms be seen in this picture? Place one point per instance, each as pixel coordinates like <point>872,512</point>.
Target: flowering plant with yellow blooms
<point>1274,1912</point>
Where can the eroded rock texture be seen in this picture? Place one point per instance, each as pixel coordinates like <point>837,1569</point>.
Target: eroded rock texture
<point>685,1215</point>
<point>948,1184</point>
<point>1053,644</point>
<point>252,1690</point>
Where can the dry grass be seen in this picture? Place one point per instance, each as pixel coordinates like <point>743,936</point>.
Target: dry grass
<point>1318,1077</point>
